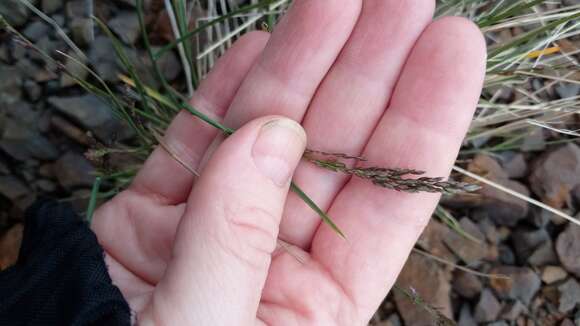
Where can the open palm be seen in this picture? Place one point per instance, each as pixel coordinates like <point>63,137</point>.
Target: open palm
<point>372,77</point>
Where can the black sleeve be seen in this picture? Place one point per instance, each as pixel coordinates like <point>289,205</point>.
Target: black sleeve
<point>60,277</point>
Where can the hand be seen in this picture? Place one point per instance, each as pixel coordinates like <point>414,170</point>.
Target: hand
<point>371,77</point>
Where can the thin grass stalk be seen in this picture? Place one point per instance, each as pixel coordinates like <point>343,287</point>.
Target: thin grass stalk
<point>180,47</point>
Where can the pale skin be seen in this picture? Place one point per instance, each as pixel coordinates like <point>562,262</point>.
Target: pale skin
<point>376,78</point>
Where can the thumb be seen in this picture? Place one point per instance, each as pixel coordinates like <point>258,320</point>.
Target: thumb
<point>229,229</point>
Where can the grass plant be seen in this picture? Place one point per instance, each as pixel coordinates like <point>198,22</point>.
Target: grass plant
<point>528,41</point>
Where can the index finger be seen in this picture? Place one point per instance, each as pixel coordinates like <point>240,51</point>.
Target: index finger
<point>422,129</point>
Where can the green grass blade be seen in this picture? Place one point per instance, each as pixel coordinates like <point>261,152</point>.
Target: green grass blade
<point>93,199</point>
<point>317,209</point>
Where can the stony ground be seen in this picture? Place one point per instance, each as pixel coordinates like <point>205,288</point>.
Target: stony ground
<point>47,124</point>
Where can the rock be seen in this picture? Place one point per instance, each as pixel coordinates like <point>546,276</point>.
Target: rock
<point>51,6</point>
<point>512,310</point>
<point>553,274</point>
<point>22,143</point>
<point>541,217</point>
<point>488,308</point>
<point>126,26</point>
<point>432,240</point>
<point>534,141</point>
<point>93,114</point>
<point>74,65</point>
<point>10,84</point>
<point>10,246</point>
<point>544,255</point>
<point>4,168</point>
<point>576,196</point>
<point>522,284</point>
<point>33,90</point>
<point>501,207</point>
<point>45,186</point>
<point>569,296</point>
<point>82,30</point>
<point>506,255</point>
<point>393,320</point>
<point>468,251</point>
<point>428,281</point>
<point>489,230</point>
<point>555,174</point>
<point>36,30</point>
<point>74,170</point>
<point>466,317</point>
<point>466,284</point>
<point>101,56</point>
<point>169,65</point>
<point>515,165</point>
<point>498,323</point>
<point>565,90</point>
<point>16,191</point>
<point>567,322</point>
<point>526,242</point>
<point>14,12</point>
<point>568,249</point>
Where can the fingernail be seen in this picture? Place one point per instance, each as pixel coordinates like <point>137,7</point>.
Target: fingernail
<point>278,149</point>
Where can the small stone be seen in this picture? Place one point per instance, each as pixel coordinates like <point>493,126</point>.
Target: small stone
<point>74,65</point>
<point>466,284</point>
<point>466,317</point>
<point>51,6</point>
<point>526,242</point>
<point>36,30</point>
<point>126,26</point>
<point>21,142</point>
<point>489,230</point>
<point>33,90</point>
<point>488,308</point>
<point>100,56</point>
<point>534,141</point>
<point>14,12</point>
<point>4,168</point>
<point>555,174</point>
<point>498,323</point>
<point>10,84</point>
<point>513,310</point>
<point>169,65</point>
<point>428,280</point>
<point>501,207</point>
<point>515,165</point>
<point>93,114</point>
<point>566,90</point>
<point>506,255</point>
<point>569,295</point>
<point>468,251</point>
<point>74,170</point>
<point>82,30</point>
<point>568,249</point>
<point>16,191</point>
<point>10,246</point>
<point>567,322</point>
<point>576,195</point>
<point>45,186</point>
<point>523,283</point>
<point>432,240</point>
<point>553,274</point>
<point>544,255</point>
